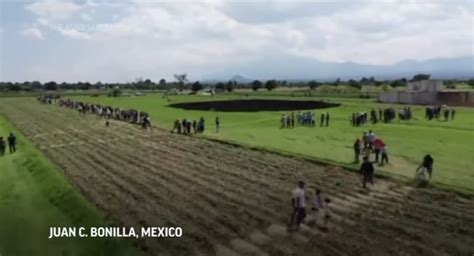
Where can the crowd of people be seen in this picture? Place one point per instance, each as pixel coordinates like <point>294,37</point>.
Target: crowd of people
<point>321,206</point>
<point>370,144</point>
<point>303,119</point>
<point>187,126</point>
<point>386,115</point>
<point>128,115</point>
<point>11,141</point>
<point>435,112</point>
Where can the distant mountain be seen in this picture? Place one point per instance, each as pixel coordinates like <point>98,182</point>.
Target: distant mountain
<point>240,79</point>
<point>300,68</point>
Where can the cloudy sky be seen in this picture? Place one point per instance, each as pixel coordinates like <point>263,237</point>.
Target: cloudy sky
<point>107,40</point>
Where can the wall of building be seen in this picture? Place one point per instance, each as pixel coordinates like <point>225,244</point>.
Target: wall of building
<point>388,97</point>
<point>408,97</point>
<point>456,98</point>
<point>426,86</point>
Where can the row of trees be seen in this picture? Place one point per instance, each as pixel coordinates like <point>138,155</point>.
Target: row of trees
<point>181,83</point>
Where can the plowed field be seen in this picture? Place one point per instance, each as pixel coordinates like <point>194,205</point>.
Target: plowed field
<point>235,201</point>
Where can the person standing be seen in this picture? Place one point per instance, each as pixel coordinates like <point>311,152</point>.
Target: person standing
<point>3,145</point>
<point>218,123</point>
<point>195,129</point>
<point>453,112</point>
<point>446,114</point>
<point>201,125</point>
<point>323,117</point>
<point>384,153</point>
<point>298,204</point>
<point>327,119</point>
<point>371,137</point>
<point>357,149</point>
<point>12,143</point>
<point>377,149</point>
<point>367,170</point>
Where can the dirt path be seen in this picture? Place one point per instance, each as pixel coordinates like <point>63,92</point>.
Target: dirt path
<point>234,201</point>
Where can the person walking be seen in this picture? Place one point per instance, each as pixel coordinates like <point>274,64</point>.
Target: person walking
<point>427,163</point>
<point>298,204</point>
<point>12,143</point>
<point>367,170</point>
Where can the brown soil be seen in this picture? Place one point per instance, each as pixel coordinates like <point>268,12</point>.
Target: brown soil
<point>234,201</point>
<point>254,105</point>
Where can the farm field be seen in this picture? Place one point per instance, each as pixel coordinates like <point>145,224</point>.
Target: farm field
<point>34,196</point>
<point>232,200</point>
<point>408,141</point>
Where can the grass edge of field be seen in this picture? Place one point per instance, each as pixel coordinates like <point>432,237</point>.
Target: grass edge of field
<point>61,194</point>
<point>463,192</point>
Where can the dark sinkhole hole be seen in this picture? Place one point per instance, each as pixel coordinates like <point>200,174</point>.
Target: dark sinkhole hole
<point>253,105</point>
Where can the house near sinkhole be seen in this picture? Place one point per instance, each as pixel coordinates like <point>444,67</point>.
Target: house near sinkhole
<point>427,92</point>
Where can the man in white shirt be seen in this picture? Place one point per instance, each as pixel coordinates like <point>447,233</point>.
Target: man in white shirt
<point>298,204</point>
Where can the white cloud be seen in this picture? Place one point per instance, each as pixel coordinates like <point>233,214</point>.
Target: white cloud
<point>86,17</point>
<point>53,10</point>
<point>34,33</point>
<point>374,32</point>
<point>166,37</point>
<point>74,33</point>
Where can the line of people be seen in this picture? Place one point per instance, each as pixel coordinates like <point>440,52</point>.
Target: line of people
<point>303,119</point>
<point>108,112</point>
<point>187,126</point>
<point>386,115</point>
<point>432,112</point>
<point>11,141</point>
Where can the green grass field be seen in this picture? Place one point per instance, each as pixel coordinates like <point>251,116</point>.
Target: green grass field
<point>450,142</point>
<point>34,196</point>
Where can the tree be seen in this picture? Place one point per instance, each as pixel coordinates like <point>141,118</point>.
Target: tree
<point>364,80</point>
<point>98,85</point>
<point>85,86</point>
<point>162,83</point>
<point>196,86</point>
<point>337,82</point>
<point>51,86</point>
<point>419,77</point>
<point>313,84</point>
<point>396,83</point>
<point>377,83</point>
<point>470,82</point>
<point>14,87</point>
<point>256,85</point>
<point>229,86</point>
<point>371,80</point>
<point>220,86</point>
<point>270,84</point>
<point>36,85</point>
<point>181,78</point>
<point>353,83</point>
<point>116,92</point>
